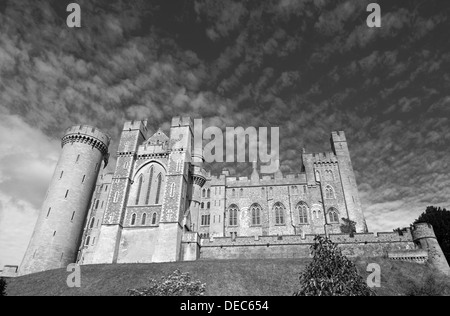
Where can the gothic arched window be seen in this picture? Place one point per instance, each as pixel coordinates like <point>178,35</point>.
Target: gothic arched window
<point>149,187</point>
<point>158,189</point>
<point>154,219</point>
<point>256,214</point>
<point>208,205</point>
<point>329,192</point>
<point>144,219</point>
<point>330,175</point>
<point>140,182</point>
<point>209,193</point>
<point>233,215</point>
<point>333,215</point>
<point>279,213</point>
<point>302,209</point>
<point>133,220</point>
<point>92,223</point>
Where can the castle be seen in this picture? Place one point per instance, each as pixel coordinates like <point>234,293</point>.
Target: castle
<point>160,205</point>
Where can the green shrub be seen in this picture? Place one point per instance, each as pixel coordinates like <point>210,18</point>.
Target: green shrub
<point>2,287</point>
<point>176,284</point>
<point>331,273</point>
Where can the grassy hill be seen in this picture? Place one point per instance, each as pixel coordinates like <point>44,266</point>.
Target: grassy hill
<point>225,277</point>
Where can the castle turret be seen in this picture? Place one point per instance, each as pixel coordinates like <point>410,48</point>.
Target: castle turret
<point>59,227</point>
<point>168,247</point>
<point>424,237</point>
<point>133,135</point>
<point>349,186</point>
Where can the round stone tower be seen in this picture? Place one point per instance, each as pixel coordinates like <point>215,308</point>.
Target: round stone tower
<point>198,181</point>
<point>424,237</point>
<point>59,227</point>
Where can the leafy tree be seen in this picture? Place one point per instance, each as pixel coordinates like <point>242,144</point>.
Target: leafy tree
<point>348,226</point>
<point>331,273</point>
<point>440,219</point>
<point>2,287</point>
<point>176,284</point>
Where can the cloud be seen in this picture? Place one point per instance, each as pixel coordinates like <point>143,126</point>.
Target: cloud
<point>308,66</point>
<point>27,161</point>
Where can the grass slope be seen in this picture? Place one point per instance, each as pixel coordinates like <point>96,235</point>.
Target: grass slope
<point>224,277</point>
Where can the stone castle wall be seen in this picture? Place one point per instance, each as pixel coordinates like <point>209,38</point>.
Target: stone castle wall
<point>361,245</point>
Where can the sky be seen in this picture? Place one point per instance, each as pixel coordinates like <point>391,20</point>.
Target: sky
<point>309,67</point>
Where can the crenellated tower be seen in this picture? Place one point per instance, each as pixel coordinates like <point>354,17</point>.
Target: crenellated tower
<point>57,234</point>
<point>424,238</point>
<point>348,181</point>
<point>133,135</point>
<point>177,191</point>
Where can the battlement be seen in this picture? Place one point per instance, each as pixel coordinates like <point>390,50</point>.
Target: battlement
<point>291,179</point>
<point>182,121</point>
<point>338,136</point>
<point>87,135</point>
<point>416,256</point>
<point>365,238</point>
<point>89,131</point>
<point>423,230</point>
<point>136,126</point>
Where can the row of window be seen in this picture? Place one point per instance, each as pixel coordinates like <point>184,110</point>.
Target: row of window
<point>328,175</point>
<point>99,189</point>
<point>206,220</point>
<point>50,211</point>
<point>92,223</point>
<point>88,240</point>
<point>96,204</point>
<point>143,219</point>
<point>280,211</point>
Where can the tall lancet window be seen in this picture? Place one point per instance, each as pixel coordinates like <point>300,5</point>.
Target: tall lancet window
<point>256,214</point>
<point>302,209</point>
<point>138,195</point>
<point>149,188</point>
<point>158,189</point>
<point>172,190</point>
<point>233,215</point>
<point>279,214</point>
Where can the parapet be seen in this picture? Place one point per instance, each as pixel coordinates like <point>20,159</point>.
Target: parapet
<point>182,121</point>
<point>321,158</point>
<point>9,272</point>
<point>308,239</point>
<point>423,230</point>
<point>88,135</point>
<point>136,126</point>
<point>338,136</point>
